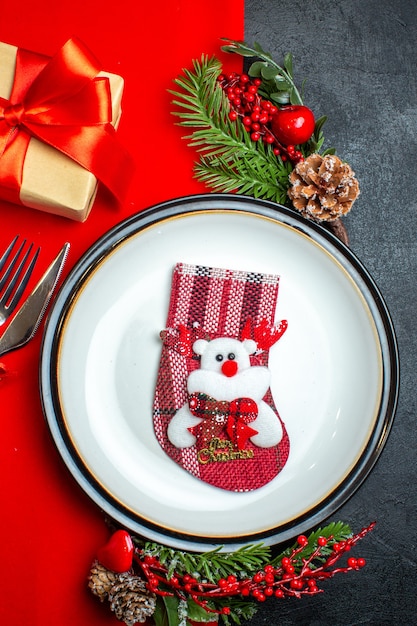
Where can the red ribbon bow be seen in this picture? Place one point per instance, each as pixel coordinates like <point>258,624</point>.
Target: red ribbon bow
<point>234,416</point>
<point>63,103</point>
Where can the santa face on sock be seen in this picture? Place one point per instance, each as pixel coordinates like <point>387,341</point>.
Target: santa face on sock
<point>227,376</point>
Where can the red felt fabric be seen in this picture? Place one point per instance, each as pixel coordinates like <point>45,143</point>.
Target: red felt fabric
<point>49,528</point>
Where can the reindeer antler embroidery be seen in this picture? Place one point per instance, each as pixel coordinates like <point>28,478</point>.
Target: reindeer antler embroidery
<point>264,333</point>
<point>181,339</point>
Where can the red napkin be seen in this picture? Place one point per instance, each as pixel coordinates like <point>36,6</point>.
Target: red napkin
<point>50,530</point>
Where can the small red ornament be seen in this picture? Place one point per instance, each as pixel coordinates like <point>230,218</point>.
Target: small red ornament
<point>293,124</point>
<point>117,553</point>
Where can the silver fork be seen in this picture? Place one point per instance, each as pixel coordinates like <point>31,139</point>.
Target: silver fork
<point>15,272</point>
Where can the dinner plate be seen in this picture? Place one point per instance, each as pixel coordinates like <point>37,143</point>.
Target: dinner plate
<point>334,374</point>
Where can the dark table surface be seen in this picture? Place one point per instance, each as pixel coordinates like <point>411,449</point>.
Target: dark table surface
<point>359,61</point>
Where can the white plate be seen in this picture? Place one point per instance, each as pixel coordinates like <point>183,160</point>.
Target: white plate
<point>334,374</point>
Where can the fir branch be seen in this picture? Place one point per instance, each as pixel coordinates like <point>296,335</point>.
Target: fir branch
<point>230,160</point>
<point>204,106</point>
<point>248,176</point>
<point>212,565</point>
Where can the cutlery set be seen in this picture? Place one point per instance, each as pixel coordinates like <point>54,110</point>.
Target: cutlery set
<point>16,268</point>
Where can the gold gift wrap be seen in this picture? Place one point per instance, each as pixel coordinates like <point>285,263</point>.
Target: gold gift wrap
<point>51,181</point>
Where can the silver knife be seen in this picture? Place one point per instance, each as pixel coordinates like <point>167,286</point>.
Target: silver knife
<point>26,321</point>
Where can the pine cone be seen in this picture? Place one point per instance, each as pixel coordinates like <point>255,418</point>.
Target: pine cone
<point>131,602</point>
<point>323,188</point>
<point>101,580</point>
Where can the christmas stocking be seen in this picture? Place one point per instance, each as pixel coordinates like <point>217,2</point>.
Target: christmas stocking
<point>213,409</point>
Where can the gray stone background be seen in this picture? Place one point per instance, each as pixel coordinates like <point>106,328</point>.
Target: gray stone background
<point>359,60</point>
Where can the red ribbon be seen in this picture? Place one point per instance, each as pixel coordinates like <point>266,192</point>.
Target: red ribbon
<point>219,414</point>
<point>63,103</point>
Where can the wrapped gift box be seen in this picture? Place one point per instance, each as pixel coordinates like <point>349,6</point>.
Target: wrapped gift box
<point>51,181</point>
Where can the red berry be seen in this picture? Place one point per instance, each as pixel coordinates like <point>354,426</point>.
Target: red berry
<point>153,582</point>
<point>361,562</point>
<point>279,593</point>
<point>296,584</point>
<point>302,539</point>
<point>322,541</point>
<point>226,610</point>
<point>232,116</point>
<point>352,562</point>
<point>269,591</point>
<point>293,124</point>
<point>149,560</point>
<point>258,577</point>
<point>255,136</point>
<point>285,561</point>
<point>244,78</point>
